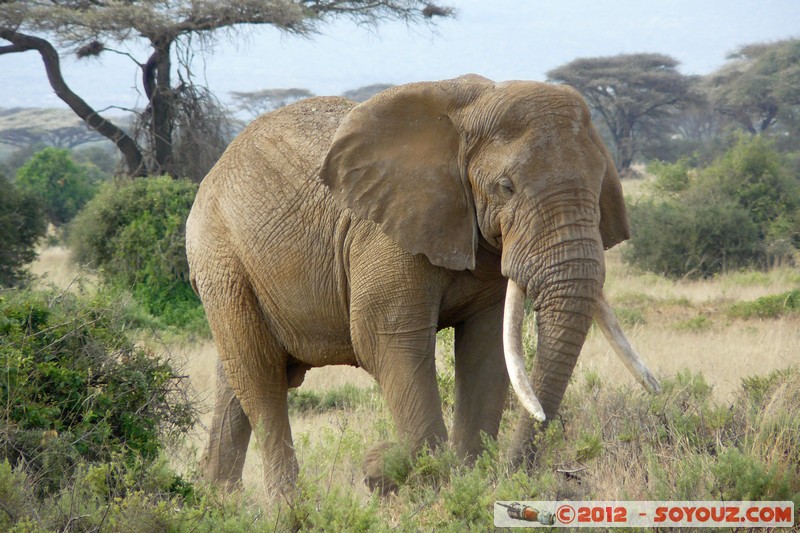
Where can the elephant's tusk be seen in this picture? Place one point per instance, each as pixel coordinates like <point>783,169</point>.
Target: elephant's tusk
<point>610,327</point>
<point>513,315</point>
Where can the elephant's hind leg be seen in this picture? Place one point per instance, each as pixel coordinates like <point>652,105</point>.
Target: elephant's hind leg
<point>223,460</point>
<point>255,366</point>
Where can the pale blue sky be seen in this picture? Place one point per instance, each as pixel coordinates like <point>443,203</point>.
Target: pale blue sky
<point>500,39</point>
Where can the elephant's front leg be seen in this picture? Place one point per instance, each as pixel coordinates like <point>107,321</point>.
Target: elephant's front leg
<point>393,327</point>
<point>405,370</point>
<point>481,380</point>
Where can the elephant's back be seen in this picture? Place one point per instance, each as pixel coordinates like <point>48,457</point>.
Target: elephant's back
<point>272,167</point>
<point>306,128</point>
<point>280,150</point>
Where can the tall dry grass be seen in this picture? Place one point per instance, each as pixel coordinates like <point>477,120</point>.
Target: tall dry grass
<point>684,324</point>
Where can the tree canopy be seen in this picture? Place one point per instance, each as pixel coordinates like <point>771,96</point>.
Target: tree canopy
<point>22,224</point>
<point>629,93</point>
<point>91,28</point>
<point>759,85</point>
<point>61,185</point>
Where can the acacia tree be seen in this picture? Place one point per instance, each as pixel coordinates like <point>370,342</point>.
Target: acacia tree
<point>90,26</point>
<point>48,127</point>
<point>759,85</point>
<point>366,92</point>
<point>631,93</point>
<point>257,102</point>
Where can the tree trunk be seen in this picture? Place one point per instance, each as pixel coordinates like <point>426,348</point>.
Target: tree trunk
<point>157,82</point>
<point>625,148</point>
<point>130,150</point>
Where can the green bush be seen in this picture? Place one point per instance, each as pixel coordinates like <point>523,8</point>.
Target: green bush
<point>22,224</point>
<point>61,185</point>
<point>742,210</point>
<point>671,178</point>
<point>76,389</point>
<point>119,496</point>
<point>132,232</point>
<point>753,174</point>
<point>676,239</point>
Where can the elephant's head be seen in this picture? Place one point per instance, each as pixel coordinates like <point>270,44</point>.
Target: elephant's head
<point>440,166</point>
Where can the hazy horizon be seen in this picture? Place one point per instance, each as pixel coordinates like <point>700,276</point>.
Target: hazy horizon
<point>507,39</point>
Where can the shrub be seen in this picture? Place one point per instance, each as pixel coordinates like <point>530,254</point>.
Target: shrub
<point>676,239</point>
<point>62,186</point>
<point>22,224</point>
<point>76,389</point>
<point>741,210</point>
<point>671,178</point>
<point>133,233</point>
<point>754,175</point>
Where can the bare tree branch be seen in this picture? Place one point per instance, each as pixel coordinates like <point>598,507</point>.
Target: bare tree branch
<point>124,142</point>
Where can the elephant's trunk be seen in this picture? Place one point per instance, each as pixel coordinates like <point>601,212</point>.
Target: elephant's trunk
<point>564,300</point>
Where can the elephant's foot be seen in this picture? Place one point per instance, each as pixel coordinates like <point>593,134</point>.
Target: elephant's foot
<point>212,471</point>
<point>378,475</point>
<point>525,442</point>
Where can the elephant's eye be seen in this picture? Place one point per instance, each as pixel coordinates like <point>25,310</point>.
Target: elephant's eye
<point>506,187</point>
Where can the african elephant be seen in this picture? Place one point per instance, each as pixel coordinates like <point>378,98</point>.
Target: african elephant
<point>330,233</point>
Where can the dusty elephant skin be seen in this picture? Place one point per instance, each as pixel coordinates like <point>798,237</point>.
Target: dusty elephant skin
<point>333,234</point>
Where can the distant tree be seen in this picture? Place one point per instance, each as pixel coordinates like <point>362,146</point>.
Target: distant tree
<point>365,93</point>
<point>19,157</point>
<point>164,26</point>
<point>22,224</point>
<point>694,130</point>
<point>759,85</point>
<point>630,94</point>
<point>104,157</point>
<point>61,185</point>
<point>67,137</point>
<point>258,102</point>
<point>50,127</point>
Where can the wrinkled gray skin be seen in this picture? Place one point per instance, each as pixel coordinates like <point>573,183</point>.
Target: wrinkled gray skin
<point>332,234</point>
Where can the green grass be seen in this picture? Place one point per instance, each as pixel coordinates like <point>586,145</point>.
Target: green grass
<point>346,397</point>
<point>772,306</point>
<point>697,324</point>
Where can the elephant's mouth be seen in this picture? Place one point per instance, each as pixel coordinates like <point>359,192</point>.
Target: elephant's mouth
<point>513,316</point>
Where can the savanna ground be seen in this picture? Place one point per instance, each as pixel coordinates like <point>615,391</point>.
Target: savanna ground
<point>706,437</point>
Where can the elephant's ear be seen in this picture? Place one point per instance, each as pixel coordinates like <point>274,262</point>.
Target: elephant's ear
<point>397,159</point>
<point>614,226</point>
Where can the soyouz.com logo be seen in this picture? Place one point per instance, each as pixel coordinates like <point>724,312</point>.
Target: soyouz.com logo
<point>643,514</point>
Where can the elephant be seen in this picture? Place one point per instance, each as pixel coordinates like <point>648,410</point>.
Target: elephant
<point>331,233</point>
